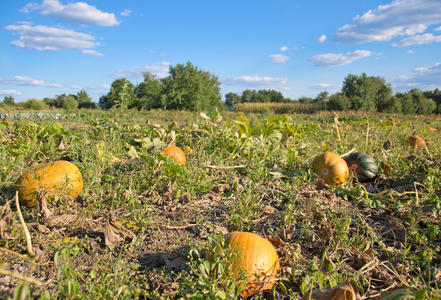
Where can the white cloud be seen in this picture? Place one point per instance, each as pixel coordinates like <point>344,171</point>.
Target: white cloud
<point>339,59</point>
<point>438,28</point>
<point>50,38</point>
<point>255,80</point>
<point>399,18</point>
<point>75,12</point>
<point>10,93</point>
<point>284,48</point>
<point>99,87</point>
<point>421,39</point>
<point>92,52</point>
<point>159,69</point>
<point>23,80</point>
<point>421,78</point>
<point>321,39</point>
<point>410,52</point>
<point>126,13</point>
<point>320,86</point>
<point>77,87</point>
<point>279,58</point>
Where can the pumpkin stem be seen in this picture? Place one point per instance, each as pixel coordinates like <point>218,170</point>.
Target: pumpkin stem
<point>25,228</point>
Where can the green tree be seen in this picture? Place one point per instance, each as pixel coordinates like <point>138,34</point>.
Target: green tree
<point>149,93</point>
<point>366,93</point>
<point>339,101</point>
<point>231,99</point>
<point>9,100</point>
<point>435,95</point>
<point>34,104</point>
<point>423,104</point>
<point>121,94</point>
<point>407,104</point>
<point>70,102</point>
<point>58,101</point>
<point>189,88</point>
<point>84,100</point>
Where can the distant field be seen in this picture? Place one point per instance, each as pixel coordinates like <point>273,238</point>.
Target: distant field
<point>278,108</point>
<point>144,227</point>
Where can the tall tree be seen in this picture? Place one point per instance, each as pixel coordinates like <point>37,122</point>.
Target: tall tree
<point>231,99</point>
<point>366,93</point>
<point>84,100</point>
<point>149,92</point>
<point>189,88</point>
<point>121,94</point>
<point>9,100</point>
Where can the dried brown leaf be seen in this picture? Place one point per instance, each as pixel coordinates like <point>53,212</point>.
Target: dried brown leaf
<point>115,233</point>
<point>44,209</point>
<point>61,146</point>
<point>61,220</point>
<point>342,291</point>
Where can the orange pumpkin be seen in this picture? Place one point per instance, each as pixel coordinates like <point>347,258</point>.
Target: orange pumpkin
<point>256,256</point>
<point>331,168</point>
<point>176,153</point>
<point>60,177</point>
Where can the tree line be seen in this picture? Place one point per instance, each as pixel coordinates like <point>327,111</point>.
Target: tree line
<point>189,88</point>
<point>359,93</point>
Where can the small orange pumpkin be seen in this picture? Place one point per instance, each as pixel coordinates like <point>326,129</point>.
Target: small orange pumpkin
<point>331,168</point>
<point>60,177</point>
<point>256,256</point>
<point>176,153</point>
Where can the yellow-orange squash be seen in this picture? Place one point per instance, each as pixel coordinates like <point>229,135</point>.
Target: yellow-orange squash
<point>59,177</point>
<point>255,256</point>
<point>331,168</point>
<point>176,153</point>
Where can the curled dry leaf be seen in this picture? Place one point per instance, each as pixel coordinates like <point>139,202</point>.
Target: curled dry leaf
<point>115,233</point>
<point>5,219</point>
<point>342,291</point>
<point>44,209</point>
<point>62,146</point>
<point>60,221</point>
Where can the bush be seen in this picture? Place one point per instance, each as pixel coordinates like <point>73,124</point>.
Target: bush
<point>35,104</point>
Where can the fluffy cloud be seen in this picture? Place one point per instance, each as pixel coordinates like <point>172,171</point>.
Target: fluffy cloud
<point>284,48</point>
<point>321,39</point>
<point>92,52</point>
<point>422,78</point>
<point>339,59</point>
<point>50,38</point>
<point>23,80</point>
<point>75,12</point>
<point>420,39</point>
<point>255,80</point>
<point>399,18</point>
<point>279,58</point>
<point>10,93</point>
<point>160,69</point>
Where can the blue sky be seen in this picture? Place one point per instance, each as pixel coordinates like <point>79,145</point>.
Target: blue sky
<point>50,47</point>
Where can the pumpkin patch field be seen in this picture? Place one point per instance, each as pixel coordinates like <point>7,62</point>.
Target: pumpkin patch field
<point>177,205</point>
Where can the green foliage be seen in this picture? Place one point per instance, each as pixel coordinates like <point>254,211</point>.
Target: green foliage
<point>70,103</point>
<point>8,100</point>
<point>84,100</point>
<point>188,88</point>
<point>121,94</point>
<point>149,93</point>
<point>34,104</point>
<point>366,93</point>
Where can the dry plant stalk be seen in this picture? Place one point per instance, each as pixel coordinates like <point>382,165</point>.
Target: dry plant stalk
<point>20,277</point>
<point>367,133</point>
<point>25,228</point>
